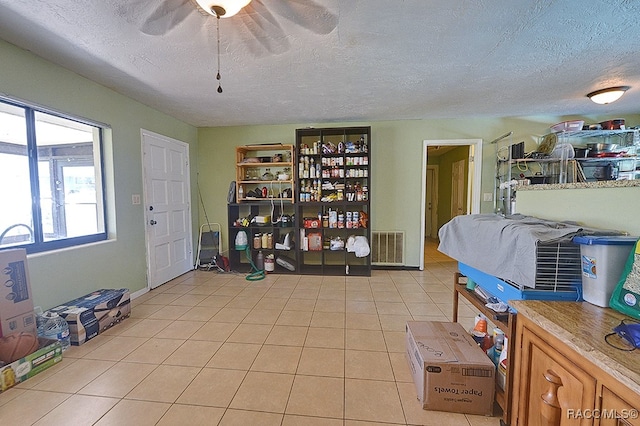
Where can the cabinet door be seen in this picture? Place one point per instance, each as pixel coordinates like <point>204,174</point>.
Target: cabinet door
<point>553,386</point>
<point>615,411</point>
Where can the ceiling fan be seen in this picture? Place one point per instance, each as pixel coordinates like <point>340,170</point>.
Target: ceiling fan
<point>258,17</point>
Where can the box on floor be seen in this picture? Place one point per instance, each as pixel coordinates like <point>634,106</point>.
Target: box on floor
<point>48,354</point>
<point>16,300</point>
<point>93,313</point>
<point>450,371</point>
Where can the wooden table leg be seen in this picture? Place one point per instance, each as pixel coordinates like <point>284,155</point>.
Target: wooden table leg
<point>456,279</point>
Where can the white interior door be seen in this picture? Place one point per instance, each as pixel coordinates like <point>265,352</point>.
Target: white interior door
<point>457,188</point>
<point>432,202</point>
<point>167,208</point>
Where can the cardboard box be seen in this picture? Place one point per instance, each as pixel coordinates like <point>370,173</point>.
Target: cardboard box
<point>93,313</point>
<point>50,353</point>
<point>450,371</point>
<point>16,300</point>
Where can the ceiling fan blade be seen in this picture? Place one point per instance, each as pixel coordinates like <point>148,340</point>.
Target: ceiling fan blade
<point>308,14</point>
<point>264,29</point>
<point>167,16</point>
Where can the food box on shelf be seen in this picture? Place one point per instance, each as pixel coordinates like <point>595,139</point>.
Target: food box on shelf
<point>16,300</point>
<point>50,353</point>
<point>93,313</point>
<point>315,241</point>
<point>450,371</point>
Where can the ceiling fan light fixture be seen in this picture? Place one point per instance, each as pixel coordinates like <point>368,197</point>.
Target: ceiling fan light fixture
<point>222,8</point>
<point>608,95</point>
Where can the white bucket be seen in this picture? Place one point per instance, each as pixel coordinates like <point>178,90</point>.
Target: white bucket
<point>603,259</point>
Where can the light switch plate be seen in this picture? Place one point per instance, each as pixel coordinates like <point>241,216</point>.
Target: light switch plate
<point>135,199</point>
<point>487,196</point>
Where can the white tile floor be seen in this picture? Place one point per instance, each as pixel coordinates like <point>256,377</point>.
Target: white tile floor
<point>209,348</point>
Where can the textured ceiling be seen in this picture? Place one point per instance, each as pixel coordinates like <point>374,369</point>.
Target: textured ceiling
<point>380,60</point>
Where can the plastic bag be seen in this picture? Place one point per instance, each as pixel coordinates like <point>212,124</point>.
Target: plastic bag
<point>626,295</point>
<point>630,333</point>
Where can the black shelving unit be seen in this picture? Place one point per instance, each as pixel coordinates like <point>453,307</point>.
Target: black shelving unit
<point>278,230</point>
<point>333,203</point>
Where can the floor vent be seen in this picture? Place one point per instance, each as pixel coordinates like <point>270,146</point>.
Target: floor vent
<point>387,248</point>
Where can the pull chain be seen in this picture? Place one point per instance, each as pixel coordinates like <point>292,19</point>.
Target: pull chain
<point>218,75</point>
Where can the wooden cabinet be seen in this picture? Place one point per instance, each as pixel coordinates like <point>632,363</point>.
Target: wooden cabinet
<point>616,411</point>
<point>566,373</point>
<point>334,187</point>
<point>550,383</point>
<point>264,172</point>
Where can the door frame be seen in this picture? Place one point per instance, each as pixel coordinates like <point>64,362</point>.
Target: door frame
<point>474,180</point>
<point>145,189</point>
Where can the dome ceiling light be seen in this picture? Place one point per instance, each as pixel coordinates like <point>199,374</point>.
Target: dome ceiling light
<point>606,96</point>
<point>222,8</point>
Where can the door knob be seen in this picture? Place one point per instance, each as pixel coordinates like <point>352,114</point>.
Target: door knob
<point>152,222</point>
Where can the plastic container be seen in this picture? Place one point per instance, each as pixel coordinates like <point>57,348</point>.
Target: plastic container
<point>260,261</point>
<point>269,263</point>
<point>603,259</point>
<point>53,326</point>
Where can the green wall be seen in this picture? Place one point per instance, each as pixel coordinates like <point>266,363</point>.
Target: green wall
<point>604,208</point>
<point>59,276</point>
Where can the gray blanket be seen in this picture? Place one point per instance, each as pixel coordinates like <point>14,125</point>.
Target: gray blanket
<point>505,246</point>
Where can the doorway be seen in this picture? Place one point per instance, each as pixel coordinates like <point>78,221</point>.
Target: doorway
<point>167,204</point>
<point>473,161</point>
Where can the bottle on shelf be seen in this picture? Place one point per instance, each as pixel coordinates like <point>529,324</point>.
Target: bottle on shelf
<point>260,261</point>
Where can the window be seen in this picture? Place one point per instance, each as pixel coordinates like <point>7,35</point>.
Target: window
<point>50,179</point>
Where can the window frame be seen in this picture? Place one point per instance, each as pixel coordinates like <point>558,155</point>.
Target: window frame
<point>40,244</point>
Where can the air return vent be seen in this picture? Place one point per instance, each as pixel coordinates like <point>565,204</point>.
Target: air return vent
<point>387,248</point>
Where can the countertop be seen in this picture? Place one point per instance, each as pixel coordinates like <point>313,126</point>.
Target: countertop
<point>582,326</point>
<point>580,185</point>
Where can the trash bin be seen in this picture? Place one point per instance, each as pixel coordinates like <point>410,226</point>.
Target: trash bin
<point>603,259</point>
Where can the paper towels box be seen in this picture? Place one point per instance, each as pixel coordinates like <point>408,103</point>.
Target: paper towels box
<point>450,371</point>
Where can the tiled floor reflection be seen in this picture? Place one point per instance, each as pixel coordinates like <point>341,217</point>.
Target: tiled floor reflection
<point>210,348</point>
